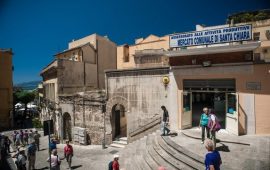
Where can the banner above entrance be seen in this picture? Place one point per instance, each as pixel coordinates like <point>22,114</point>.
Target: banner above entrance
<point>213,36</point>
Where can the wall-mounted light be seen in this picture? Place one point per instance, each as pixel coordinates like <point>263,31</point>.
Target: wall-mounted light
<point>206,64</point>
<point>165,80</point>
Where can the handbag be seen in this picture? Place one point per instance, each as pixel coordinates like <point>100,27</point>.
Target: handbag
<point>217,126</point>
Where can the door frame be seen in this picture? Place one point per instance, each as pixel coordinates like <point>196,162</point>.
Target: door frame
<point>186,114</point>
<point>232,119</point>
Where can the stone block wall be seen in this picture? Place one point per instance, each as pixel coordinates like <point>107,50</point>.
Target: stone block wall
<point>87,113</point>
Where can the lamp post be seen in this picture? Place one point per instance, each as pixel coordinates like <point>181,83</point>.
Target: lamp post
<point>104,130</point>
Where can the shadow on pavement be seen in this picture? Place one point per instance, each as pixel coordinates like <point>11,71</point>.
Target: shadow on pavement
<point>42,149</point>
<point>172,134</point>
<point>223,148</point>
<point>42,168</point>
<point>77,166</point>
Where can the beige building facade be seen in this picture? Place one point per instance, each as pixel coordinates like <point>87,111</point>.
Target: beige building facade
<point>6,88</point>
<point>232,78</point>
<point>78,69</point>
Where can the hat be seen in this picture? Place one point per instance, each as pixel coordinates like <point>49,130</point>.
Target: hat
<point>115,156</point>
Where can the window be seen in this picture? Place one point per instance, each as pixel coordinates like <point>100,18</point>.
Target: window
<point>257,56</point>
<point>256,36</point>
<point>231,105</point>
<point>126,53</point>
<point>186,101</point>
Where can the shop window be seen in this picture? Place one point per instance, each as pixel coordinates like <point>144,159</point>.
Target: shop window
<point>256,36</point>
<point>186,102</point>
<point>231,103</point>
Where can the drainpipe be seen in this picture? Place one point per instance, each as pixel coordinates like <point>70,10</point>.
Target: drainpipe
<point>97,63</point>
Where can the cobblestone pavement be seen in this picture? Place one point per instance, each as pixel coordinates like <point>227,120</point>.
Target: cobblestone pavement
<point>91,157</point>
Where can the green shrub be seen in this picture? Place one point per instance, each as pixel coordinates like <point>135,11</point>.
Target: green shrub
<point>36,123</point>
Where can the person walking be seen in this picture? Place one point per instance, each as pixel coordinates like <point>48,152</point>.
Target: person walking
<point>115,164</point>
<point>68,151</point>
<point>31,154</point>
<point>25,137</point>
<point>21,160</point>
<point>14,137</point>
<point>7,143</point>
<point>55,160</point>
<point>53,145</point>
<point>18,139</point>
<point>212,158</point>
<point>21,137</point>
<point>213,125</point>
<point>165,122</point>
<point>36,138</point>
<point>204,124</point>
<point>30,136</point>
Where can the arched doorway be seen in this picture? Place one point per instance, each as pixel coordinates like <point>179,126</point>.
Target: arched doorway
<point>119,122</point>
<point>67,126</point>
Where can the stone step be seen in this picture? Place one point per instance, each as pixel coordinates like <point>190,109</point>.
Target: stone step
<point>189,162</point>
<point>193,156</point>
<point>148,159</point>
<point>167,157</point>
<point>117,145</point>
<point>123,139</point>
<point>156,157</point>
<point>120,142</point>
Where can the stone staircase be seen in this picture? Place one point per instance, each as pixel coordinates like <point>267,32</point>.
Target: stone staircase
<point>185,151</point>
<point>154,150</point>
<point>119,143</point>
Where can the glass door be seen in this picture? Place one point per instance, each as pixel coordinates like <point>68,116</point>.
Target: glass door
<point>232,119</point>
<point>187,110</point>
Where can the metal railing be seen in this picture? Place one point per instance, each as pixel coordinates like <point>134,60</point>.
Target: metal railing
<point>145,127</point>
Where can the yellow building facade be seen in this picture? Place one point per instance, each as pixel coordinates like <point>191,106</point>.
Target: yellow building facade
<point>6,90</point>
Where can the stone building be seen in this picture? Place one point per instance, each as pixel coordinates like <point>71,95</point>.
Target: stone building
<point>6,89</point>
<point>230,75</point>
<point>80,68</point>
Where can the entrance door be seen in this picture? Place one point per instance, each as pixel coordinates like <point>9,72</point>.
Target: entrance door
<point>187,110</point>
<point>117,123</point>
<point>67,126</point>
<point>232,113</point>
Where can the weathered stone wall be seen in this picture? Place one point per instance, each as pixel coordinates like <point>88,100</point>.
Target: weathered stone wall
<point>141,92</point>
<point>86,113</point>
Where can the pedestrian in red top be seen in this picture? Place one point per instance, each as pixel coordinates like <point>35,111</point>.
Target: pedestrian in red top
<point>68,151</point>
<point>115,164</point>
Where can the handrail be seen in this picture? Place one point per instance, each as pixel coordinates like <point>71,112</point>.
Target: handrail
<point>145,127</point>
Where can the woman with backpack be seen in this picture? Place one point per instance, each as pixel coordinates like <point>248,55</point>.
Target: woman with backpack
<point>55,160</point>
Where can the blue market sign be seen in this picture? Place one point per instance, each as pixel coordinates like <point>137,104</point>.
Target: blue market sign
<point>213,36</point>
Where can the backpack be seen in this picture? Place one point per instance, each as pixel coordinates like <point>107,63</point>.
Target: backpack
<point>210,122</point>
<point>32,150</point>
<point>111,165</point>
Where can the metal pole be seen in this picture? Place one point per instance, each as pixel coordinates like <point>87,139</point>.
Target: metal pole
<point>49,137</point>
<point>104,130</point>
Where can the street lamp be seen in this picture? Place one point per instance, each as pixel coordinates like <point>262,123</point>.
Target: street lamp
<point>104,130</point>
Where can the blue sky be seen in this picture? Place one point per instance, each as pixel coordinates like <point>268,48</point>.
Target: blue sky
<point>37,29</point>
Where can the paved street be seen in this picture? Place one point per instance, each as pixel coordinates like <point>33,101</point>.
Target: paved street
<point>91,157</point>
